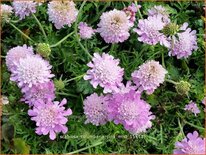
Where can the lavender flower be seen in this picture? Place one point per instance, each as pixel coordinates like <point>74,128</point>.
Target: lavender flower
<point>184,44</point>
<point>85,31</point>
<point>62,13</point>
<point>192,144</point>
<point>95,109</point>
<point>149,76</point>
<point>104,72</point>
<point>24,8</point>
<point>50,117</point>
<point>130,111</point>
<point>126,88</point>
<point>114,26</point>
<point>192,107</point>
<point>41,92</point>
<point>15,54</point>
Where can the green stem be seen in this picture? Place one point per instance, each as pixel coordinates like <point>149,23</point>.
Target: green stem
<point>161,134</point>
<point>22,33</point>
<point>138,11</point>
<point>76,34</point>
<point>198,127</point>
<point>66,94</point>
<point>171,81</point>
<point>112,47</point>
<point>62,40</point>
<point>163,60</point>
<point>181,129</point>
<point>85,148</point>
<point>40,26</point>
<point>78,77</point>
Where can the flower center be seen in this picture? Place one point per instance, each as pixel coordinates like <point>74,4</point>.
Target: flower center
<point>46,117</point>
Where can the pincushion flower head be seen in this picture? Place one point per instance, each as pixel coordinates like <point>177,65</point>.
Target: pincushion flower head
<point>149,76</point>
<point>149,31</point>
<point>41,92</point>
<point>95,109</point>
<point>126,88</point>
<point>192,107</point>
<point>62,13</point>
<point>130,111</point>
<point>184,44</point>
<point>104,72</point>
<point>6,11</point>
<point>192,144</point>
<point>30,71</point>
<point>15,54</point>
<point>114,26</point>
<point>85,31</point>
<point>24,8</point>
<point>50,117</point>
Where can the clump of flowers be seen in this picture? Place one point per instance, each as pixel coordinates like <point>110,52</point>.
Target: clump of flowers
<point>41,92</point>
<point>130,111</point>
<point>50,117</point>
<point>95,109</point>
<point>6,11</point>
<point>192,144</point>
<point>24,8</point>
<point>185,42</point>
<point>114,26</point>
<point>62,13</point>
<point>149,31</point>
<point>15,54</point>
<point>149,76</point>
<point>104,72</point>
<point>30,71</point>
<point>192,107</point>
<point>85,31</point>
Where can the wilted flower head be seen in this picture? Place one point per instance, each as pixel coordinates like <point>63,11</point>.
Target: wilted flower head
<point>62,13</point>
<point>41,92</point>
<point>192,144</point>
<point>131,12</point>
<point>15,54</point>
<point>6,11</point>
<point>30,71</point>
<point>159,10</point>
<point>85,31</point>
<point>4,100</point>
<point>114,26</point>
<point>95,109</point>
<point>24,8</point>
<point>192,107</point>
<point>50,117</point>
<point>149,31</point>
<point>184,44</point>
<point>149,76</point>
<point>104,72</point>
<point>130,111</point>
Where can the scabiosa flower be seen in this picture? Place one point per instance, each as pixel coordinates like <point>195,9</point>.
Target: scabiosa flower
<point>95,109</point>
<point>30,71</point>
<point>192,107</point>
<point>126,88</point>
<point>41,92</point>
<point>62,13</point>
<point>15,54</point>
<point>24,8</point>
<point>184,44</point>
<point>130,111</point>
<point>149,31</point>
<point>114,26</point>
<point>160,11</point>
<point>50,117</point>
<point>130,12</point>
<point>192,144</point>
<point>149,76</point>
<point>85,31</point>
<point>104,72</point>
<point>6,11</point>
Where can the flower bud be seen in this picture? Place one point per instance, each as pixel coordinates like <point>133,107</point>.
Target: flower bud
<point>59,84</point>
<point>170,29</point>
<point>183,87</point>
<point>43,49</point>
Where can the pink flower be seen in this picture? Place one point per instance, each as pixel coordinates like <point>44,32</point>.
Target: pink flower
<point>85,31</point>
<point>50,117</point>
<point>104,72</point>
<point>6,11</point>
<point>149,76</point>
<point>192,107</point>
<point>114,26</point>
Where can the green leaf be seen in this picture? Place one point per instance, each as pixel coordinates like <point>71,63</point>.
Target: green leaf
<point>20,146</point>
<point>8,132</point>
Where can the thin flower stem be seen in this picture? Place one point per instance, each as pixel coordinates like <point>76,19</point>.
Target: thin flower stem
<point>180,125</point>
<point>163,60</point>
<point>195,126</point>
<point>161,134</point>
<point>40,26</point>
<point>76,34</point>
<point>78,77</point>
<point>138,11</point>
<point>66,94</point>
<point>171,81</point>
<point>22,33</point>
<point>62,40</point>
